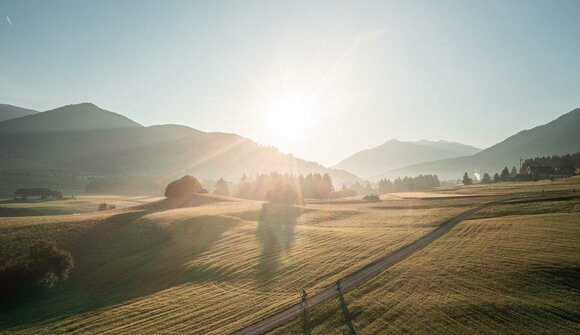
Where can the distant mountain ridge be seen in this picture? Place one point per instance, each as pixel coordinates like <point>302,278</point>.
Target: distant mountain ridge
<point>86,138</point>
<point>558,137</point>
<point>395,154</point>
<point>9,112</point>
<point>79,117</point>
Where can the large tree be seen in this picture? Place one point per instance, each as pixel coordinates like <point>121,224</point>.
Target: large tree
<point>486,179</point>
<point>282,194</point>
<point>466,180</point>
<point>186,185</point>
<point>505,174</point>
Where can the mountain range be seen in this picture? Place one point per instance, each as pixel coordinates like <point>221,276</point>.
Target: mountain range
<point>84,138</point>
<point>8,112</point>
<point>396,154</point>
<point>558,137</point>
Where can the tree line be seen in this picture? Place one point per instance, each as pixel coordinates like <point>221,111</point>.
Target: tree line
<point>552,161</point>
<point>506,174</point>
<point>408,184</point>
<point>311,186</point>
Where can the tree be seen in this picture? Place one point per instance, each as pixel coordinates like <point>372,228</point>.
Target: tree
<point>282,194</point>
<point>221,187</point>
<point>514,172</point>
<point>186,185</point>
<point>103,206</point>
<point>496,177</point>
<point>486,179</point>
<point>466,180</point>
<point>42,267</point>
<point>49,263</point>
<point>505,174</point>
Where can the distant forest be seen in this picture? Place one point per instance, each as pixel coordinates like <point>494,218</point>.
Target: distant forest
<point>408,184</point>
<point>311,186</point>
<point>552,161</point>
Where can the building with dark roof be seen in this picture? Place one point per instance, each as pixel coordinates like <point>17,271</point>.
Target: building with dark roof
<point>29,194</point>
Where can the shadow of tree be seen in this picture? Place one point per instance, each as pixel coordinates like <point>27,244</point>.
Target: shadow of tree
<point>275,232</point>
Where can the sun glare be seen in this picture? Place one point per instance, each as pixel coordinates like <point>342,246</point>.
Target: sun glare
<point>288,117</point>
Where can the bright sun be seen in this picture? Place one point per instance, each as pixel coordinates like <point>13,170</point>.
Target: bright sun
<point>288,116</point>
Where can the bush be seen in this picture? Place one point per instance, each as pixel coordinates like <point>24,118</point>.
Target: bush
<point>103,206</point>
<point>187,185</point>
<point>42,267</point>
<point>112,206</point>
<point>371,197</point>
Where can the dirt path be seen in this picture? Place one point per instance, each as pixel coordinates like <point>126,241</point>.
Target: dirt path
<point>355,278</point>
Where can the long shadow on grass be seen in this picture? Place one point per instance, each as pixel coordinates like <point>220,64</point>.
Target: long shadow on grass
<point>121,258</point>
<point>276,234</point>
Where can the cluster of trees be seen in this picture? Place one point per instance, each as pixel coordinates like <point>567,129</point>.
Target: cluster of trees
<point>312,186</point>
<point>43,266</point>
<point>282,194</point>
<point>221,187</point>
<point>285,188</point>
<point>185,186</point>
<point>552,161</point>
<point>408,184</point>
<point>504,175</point>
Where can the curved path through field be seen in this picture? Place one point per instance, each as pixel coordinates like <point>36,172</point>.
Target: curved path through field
<point>356,278</point>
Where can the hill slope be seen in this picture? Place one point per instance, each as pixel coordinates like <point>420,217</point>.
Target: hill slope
<point>560,136</point>
<point>80,117</point>
<point>394,154</point>
<point>112,145</point>
<point>9,112</point>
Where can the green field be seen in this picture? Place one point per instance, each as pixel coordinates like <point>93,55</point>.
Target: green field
<point>211,265</point>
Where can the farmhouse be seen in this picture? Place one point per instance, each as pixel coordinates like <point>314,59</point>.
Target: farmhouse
<point>565,171</point>
<point>37,194</point>
<point>545,172</point>
<point>539,172</point>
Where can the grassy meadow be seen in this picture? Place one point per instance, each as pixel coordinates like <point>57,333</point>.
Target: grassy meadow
<point>510,269</point>
<point>77,205</point>
<point>211,265</point>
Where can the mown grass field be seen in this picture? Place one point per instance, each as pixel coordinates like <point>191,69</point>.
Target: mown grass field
<point>210,265</point>
<point>510,269</point>
<point>566,184</point>
<point>81,204</point>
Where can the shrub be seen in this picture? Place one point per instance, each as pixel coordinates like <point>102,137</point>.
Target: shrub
<point>112,206</point>
<point>103,206</point>
<point>187,185</point>
<point>371,197</point>
<point>42,267</point>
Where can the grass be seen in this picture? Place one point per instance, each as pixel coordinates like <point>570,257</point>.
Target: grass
<point>495,275</point>
<point>81,204</point>
<point>556,185</point>
<point>211,265</point>
<point>211,256</point>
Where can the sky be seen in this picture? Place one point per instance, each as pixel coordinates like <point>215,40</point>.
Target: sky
<point>319,79</point>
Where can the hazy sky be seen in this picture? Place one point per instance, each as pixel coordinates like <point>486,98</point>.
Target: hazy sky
<point>363,71</point>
